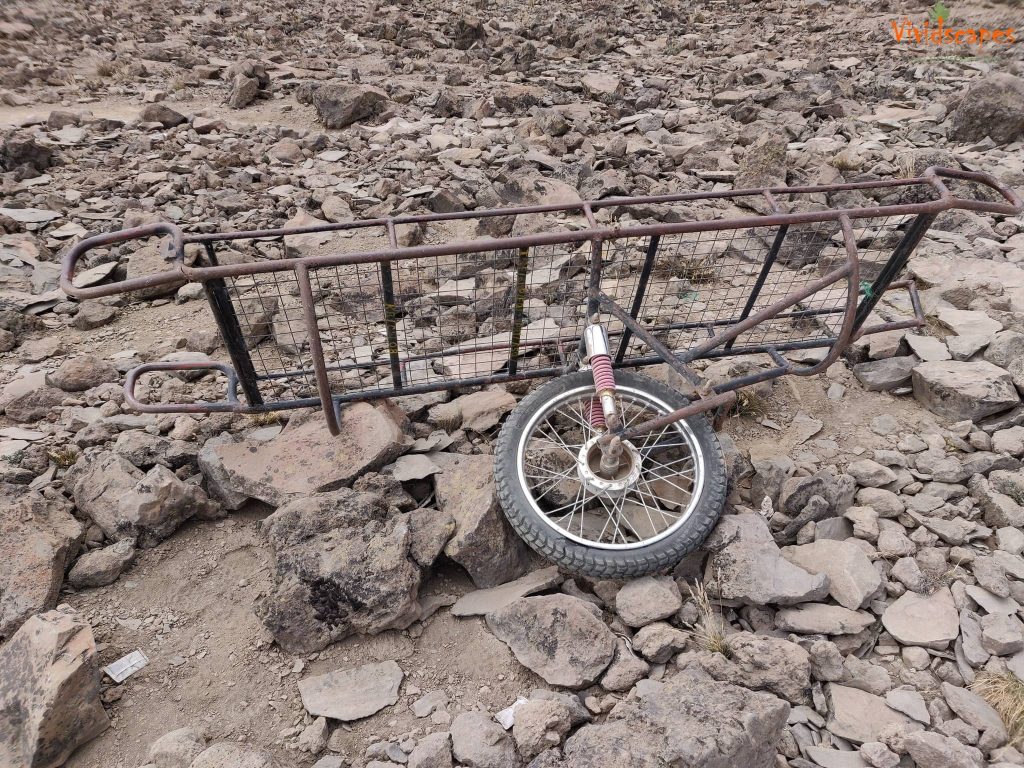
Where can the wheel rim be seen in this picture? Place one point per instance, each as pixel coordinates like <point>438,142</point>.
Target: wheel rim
<point>550,462</point>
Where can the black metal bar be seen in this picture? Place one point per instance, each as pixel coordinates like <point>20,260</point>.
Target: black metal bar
<point>779,359</point>
<point>234,340</point>
<point>391,322</point>
<point>769,261</point>
<point>641,290</point>
<point>594,284</point>
<point>659,348</point>
<point>517,317</point>
<point>897,261</point>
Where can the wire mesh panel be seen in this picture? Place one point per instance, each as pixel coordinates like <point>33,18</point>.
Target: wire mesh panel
<point>407,304</point>
<point>402,324</point>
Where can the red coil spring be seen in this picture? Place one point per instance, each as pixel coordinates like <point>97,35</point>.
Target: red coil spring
<point>604,379</point>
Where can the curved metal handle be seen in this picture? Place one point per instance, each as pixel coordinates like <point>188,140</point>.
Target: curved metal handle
<point>132,378</point>
<point>934,173</point>
<point>175,275</point>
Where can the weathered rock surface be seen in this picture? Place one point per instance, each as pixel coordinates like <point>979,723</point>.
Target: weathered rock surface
<point>859,716</point>
<point>100,567</point>
<point>484,543</point>
<point>128,504</point>
<point>341,104</point>
<point>747,565</point>
<point>685,721</point>
<point>559,637</point>
<point>81,373</point>
<point>931,621</point>
<point>646,600</point>
<point>479,742</point>
<point>352,694</point>
<point>38,540</point>
<point>306,458</point>
<point>762,663</point>
<point>341,565</point>
<point>50,694</point>
<point>853,580</point>
<point>990,107</point>
<point>964,390</point>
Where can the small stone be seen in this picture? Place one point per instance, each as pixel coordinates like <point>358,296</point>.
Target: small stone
<point>177,749</point>
<point>479,742</point>
<point>646,600</point>
<point>101,566</point>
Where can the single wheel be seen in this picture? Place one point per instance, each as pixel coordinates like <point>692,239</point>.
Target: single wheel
<point>659,505</point>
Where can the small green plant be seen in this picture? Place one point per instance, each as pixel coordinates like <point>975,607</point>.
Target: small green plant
<point>938,12</point>
<point>14,458</point>
<point>63,456</point>
<point>1005,692</point>
<point>709,631</point>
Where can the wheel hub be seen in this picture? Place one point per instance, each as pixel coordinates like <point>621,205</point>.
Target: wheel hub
<point>602,483</point>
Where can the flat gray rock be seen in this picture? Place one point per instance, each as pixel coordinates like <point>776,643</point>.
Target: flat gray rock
<point>930,621</point>
<point>352,694</point>
<point>859,716</point>
<point>561,638</point>
<point>747,565</point>
<point>484,601</point>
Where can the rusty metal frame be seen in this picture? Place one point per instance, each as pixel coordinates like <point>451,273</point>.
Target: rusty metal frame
<point>719,344</point>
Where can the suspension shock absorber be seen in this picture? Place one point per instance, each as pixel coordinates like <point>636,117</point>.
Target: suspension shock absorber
<point>596,340</point>
<point>603,413</point>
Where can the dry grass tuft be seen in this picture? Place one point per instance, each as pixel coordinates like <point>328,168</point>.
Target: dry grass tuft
<point>63,456</point>
<point>709,631</point>
<point>1005,692</point>
<point>265,419</point>
<point>750,403</point>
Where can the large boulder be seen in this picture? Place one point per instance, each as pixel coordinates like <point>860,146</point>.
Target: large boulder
<point>129,504</point>
<point>341,104</point>
<point>78,374</point>
<point>762,663</point>
<point>306,458</point>
<point>747,565</point>
<point>151,259</point>
<point>484,542</point>
<point>993,106</point>
<point>38,540</point>
<point>853,580</point>
<point>561,638</point>
<point>964,390</point>
<point>687,721</point>
<point>49,691</point>
<point>342,565</point>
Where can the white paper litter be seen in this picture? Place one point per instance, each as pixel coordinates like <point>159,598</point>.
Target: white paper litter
<point>507,717</point>
<point>126,665</point>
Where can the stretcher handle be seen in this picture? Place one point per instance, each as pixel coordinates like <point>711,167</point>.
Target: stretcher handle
<point>175,248</point>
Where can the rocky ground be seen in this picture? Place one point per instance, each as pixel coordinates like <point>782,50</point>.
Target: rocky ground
<point>308,601</point>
